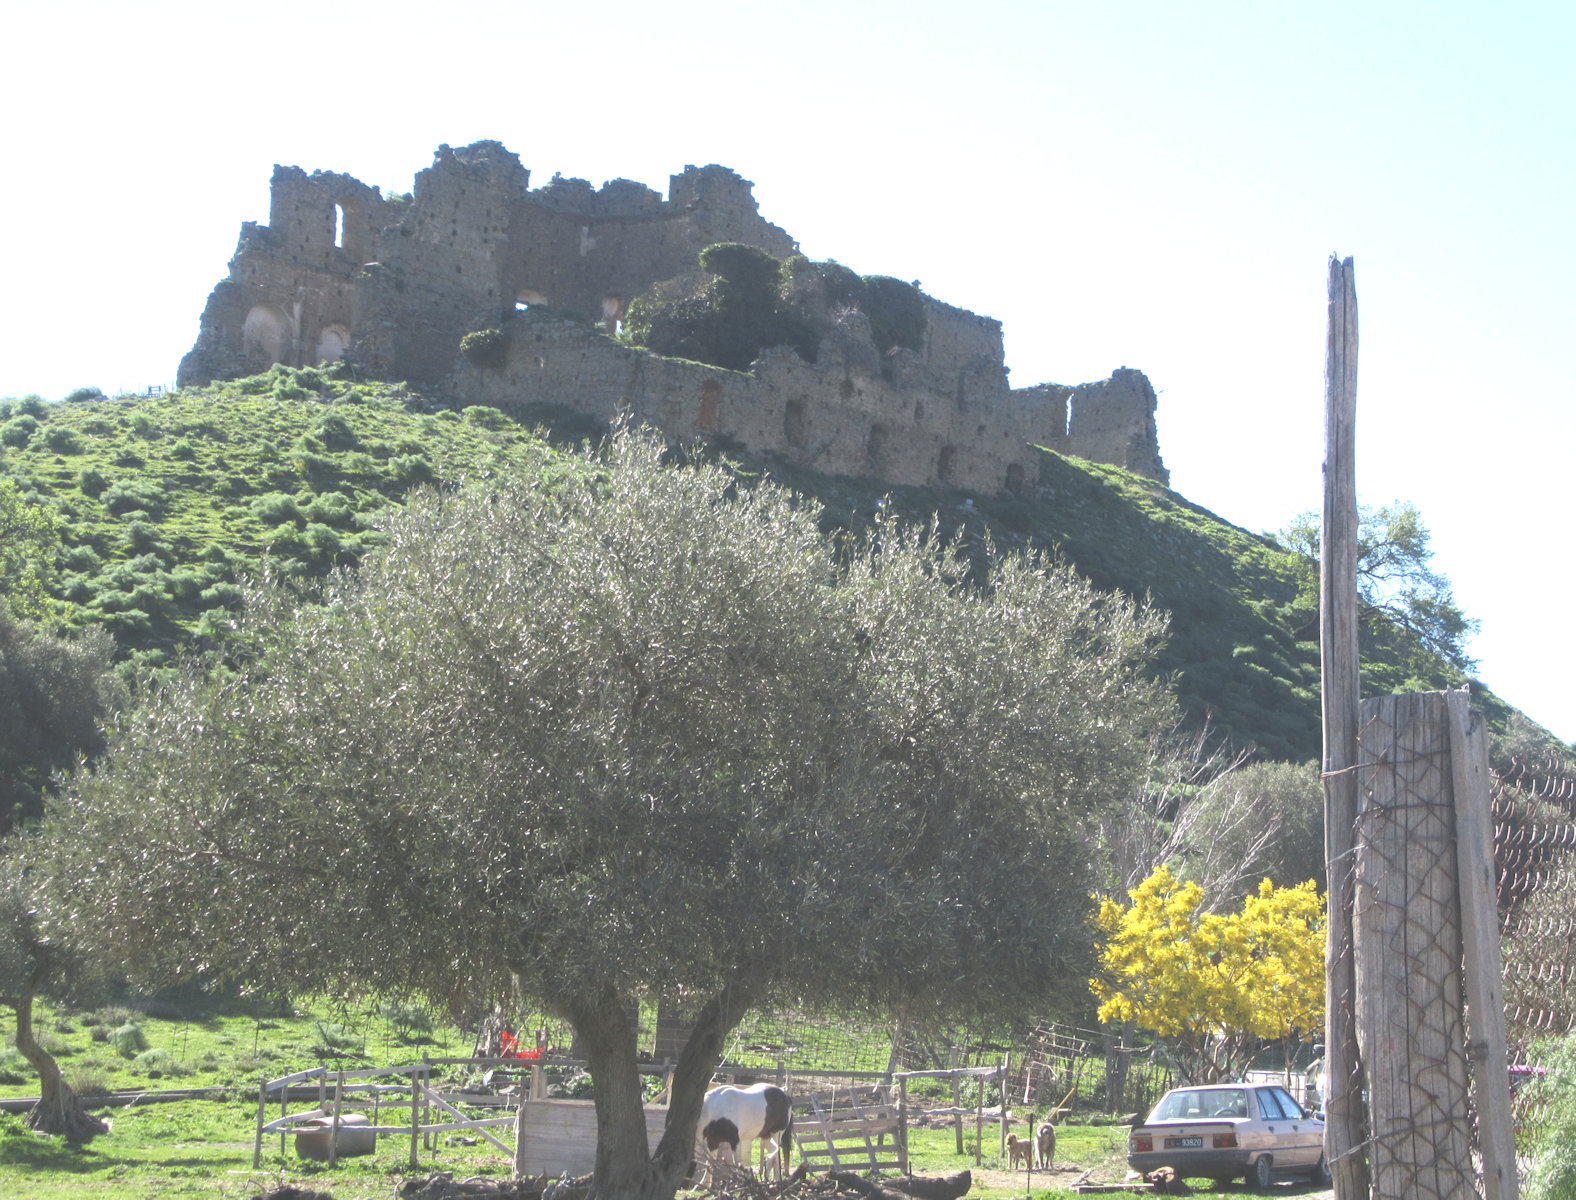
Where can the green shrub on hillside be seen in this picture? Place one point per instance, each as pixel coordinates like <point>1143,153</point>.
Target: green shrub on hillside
<point>18,431</point>
<point>129,1040</point>
<point>61,439</point>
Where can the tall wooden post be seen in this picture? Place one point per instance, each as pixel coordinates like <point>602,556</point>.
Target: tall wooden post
<point>1485,991</point>
<point>1346,1127</point>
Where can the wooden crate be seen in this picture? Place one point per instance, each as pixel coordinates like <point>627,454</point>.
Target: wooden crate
<point>559,1136</point>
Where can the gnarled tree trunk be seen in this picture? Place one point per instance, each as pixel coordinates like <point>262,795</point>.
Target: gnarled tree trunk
<point>59,1110</point>
<point>625,1166</point>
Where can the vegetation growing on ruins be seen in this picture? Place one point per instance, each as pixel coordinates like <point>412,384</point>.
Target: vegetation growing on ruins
<point>747,301</point>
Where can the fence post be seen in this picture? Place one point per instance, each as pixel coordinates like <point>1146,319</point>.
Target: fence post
<point>957,1099</point>
<point>1345,1132</point>
<point>427,1139</point>
<point>519,1139</point>
<point>979,1123</point>
<point>1407,954</point>
<point>333,1126</point>
<point>262,1104</point>
<point>1006,1062</point>
<point>415,1111</point>
<point>902,1124</point>
<point>1480,946</point>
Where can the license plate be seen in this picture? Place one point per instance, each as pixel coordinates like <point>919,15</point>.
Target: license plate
<point>1192,1143</point>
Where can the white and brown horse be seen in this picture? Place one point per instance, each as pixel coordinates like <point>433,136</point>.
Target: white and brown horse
<point>731,1117</point>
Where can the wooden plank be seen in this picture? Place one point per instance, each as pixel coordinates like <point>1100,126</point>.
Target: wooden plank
<point>1407,955</point>
<point>298,1077</point>
<point>840,1128</point>
<point>948,1073</point>
<point>286,1121</point>
<point>1483,970</point>
<point>1339,671</point>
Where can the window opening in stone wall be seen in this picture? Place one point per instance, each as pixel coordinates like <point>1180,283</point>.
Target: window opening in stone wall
<point>339,227</point>
<point>613,309</point>
<point>876,445</point>
<point>795,427</point>
<point>1014,478</point>
<point>526,297</point>
<point>946,465</point>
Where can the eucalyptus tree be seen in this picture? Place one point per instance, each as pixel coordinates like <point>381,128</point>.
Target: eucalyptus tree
<point>638,732</point>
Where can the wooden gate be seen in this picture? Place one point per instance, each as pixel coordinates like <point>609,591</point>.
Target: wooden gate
<point>848,1129</point>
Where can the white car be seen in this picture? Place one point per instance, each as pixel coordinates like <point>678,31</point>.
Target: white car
<point>1226,1131</point>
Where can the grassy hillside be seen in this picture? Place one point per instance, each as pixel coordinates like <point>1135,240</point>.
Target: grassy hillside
<point>163,504</point>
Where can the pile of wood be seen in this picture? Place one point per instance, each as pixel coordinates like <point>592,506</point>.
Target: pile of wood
<point>442,1185</point>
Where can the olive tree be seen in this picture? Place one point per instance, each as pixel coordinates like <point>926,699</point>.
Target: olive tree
<point>55,694</point>
<point>34,960</point>
<point>639,733</point>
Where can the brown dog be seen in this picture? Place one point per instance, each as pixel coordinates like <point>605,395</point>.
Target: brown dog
<point>1045,1143</point>
<point>1019,1149</point>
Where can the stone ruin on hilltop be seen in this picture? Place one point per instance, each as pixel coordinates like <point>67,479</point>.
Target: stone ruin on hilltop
<point>394,283</point>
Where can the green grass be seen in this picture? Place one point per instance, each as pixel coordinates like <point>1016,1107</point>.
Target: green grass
<point>164,503</point>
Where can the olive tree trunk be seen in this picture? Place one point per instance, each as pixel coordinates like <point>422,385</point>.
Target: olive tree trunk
<point>625,1165</point>
<point>59,1110</point>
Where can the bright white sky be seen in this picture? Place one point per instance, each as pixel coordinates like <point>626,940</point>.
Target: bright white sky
<point>1147,184</point>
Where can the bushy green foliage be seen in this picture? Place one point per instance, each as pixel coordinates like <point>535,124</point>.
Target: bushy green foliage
<point>485,416</point>
<point>726,322</point>
<point>55,694</point>
<point>14,1068</point>
<point>755,302</point>
<point>61,439</point>
<point>128,1040</point>
<point>159,1062</point>
<point>1551,1175</point>
<point>336,1038</point>
<point>409,1020</point>
<point>485,348</point>
<point>178,474</point>
<point>1408,607</point>
<point>804,729</point>
<point>18,431</point>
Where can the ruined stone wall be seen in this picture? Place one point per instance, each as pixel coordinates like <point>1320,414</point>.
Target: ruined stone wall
<point>402,282</point>
<point>395,284</point>
<point>851,412</point>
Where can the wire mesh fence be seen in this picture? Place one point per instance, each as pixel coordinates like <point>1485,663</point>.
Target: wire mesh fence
<point>1534,808</point>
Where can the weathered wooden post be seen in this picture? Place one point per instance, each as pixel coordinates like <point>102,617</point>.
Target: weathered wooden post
<point>333,1127</point>
<point>1480,944</point>
<point>415,1112</point>
<point>1345,1131</point>
<point>1406,944</point>
<point>262,1116</point>
<point>902,1124</point>
<point>1006,1070</point>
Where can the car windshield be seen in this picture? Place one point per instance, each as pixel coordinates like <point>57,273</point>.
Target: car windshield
<point>1190,1104</point>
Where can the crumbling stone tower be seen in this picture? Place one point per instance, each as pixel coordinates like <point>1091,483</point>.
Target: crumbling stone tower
<point>395,283</point>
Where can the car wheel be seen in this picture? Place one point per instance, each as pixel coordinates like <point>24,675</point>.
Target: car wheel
<point>1259,1173</point>
<point>1321,1173</point>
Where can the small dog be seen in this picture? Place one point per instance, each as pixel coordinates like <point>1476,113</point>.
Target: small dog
<point>1019,1149</point>
<point>1045,1143</point>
